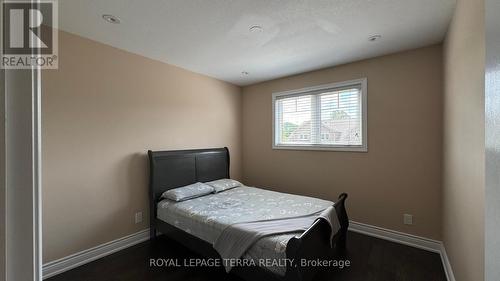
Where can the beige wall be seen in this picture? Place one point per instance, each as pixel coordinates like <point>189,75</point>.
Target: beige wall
<point>102,110</point>
<point>105,107</point>
<point>401,173</point>
<point>463,172</point>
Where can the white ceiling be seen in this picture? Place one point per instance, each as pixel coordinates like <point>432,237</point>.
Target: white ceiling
<point>212,37</point>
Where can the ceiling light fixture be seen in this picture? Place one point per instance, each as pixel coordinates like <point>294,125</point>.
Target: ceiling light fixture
<point>111,19</point>
<point>374,38</point>
<point>256,28</point>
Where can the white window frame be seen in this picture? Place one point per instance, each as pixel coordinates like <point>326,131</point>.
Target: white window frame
<point>362,83</point>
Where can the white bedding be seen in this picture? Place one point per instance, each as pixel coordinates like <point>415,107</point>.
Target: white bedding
<point>207,216</point>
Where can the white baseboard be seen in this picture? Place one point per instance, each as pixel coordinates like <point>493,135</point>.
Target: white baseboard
<point>406,239</point>
<point>446,264</point>
<point>64,264</point>
<point>396,236</point>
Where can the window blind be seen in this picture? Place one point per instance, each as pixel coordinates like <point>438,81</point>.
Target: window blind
<point>326,118</point>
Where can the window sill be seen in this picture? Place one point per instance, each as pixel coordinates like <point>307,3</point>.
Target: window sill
<point>322,148</point>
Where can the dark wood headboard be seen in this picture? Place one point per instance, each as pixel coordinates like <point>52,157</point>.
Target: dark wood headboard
<point>176,168</point>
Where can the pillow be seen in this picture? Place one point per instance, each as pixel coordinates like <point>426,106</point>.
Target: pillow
<point>188,192</point>
<point>223,184</point>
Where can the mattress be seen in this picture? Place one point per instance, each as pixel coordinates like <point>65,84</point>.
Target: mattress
<point>207,216</point>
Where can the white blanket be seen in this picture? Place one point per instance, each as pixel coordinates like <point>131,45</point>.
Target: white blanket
<point>207,216</point>
<point>237,238</point>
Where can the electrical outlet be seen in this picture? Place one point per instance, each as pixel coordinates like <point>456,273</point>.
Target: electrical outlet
<point>408,219</point>
<point>138,217</point>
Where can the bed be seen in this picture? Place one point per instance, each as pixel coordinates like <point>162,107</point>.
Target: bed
<point>193,224</point>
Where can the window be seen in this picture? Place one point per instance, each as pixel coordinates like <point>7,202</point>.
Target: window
<point>327,117</point>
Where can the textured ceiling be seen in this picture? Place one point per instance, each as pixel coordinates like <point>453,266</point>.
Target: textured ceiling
<point>213,37</point>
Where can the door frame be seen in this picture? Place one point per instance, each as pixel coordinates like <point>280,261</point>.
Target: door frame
<point>21,167</point>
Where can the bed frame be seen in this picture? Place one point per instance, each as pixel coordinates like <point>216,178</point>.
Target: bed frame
<point>171,169</point>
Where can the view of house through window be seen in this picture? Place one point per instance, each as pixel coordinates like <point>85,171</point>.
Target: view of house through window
<point>329,117</point>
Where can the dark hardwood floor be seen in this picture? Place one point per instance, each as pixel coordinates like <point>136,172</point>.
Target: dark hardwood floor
<point>371,259</point>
